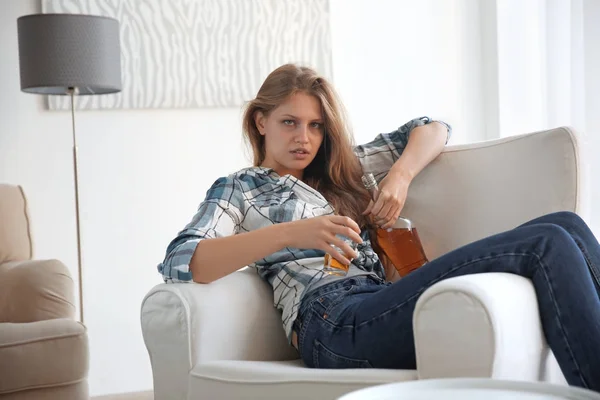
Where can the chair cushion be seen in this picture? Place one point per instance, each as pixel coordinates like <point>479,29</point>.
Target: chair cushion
<point>35,290</point>
<point>42,354</point>
<point>15,240</point>
<point>229,379</point>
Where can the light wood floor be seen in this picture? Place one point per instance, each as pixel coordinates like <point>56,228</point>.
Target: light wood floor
<point>127,396</point>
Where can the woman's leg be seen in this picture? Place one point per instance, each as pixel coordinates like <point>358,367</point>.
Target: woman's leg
<point>581,233</point>
<point>376,327</point>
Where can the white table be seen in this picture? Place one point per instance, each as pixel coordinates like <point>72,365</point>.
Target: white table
<point>470,389</point>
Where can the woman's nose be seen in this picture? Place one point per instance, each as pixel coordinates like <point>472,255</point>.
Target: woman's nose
<point>302,136</point>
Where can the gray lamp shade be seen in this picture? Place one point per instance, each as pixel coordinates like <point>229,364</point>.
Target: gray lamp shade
<point>62,51</point>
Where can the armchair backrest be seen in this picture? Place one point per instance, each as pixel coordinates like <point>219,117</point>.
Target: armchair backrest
<point>15,237</point>
<point>476,190</point>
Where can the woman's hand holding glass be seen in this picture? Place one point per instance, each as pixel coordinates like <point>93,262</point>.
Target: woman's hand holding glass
<point>322,233</point>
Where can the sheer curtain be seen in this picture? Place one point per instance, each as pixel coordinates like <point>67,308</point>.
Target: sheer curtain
<point>540,65</point>
<point>535,65</point>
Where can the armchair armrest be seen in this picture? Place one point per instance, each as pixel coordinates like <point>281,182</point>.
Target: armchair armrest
<point>186,324</point>
<point>35,290</point>
<point>484,325</point>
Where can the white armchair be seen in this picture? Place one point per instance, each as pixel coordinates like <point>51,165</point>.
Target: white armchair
<point>225,340</point>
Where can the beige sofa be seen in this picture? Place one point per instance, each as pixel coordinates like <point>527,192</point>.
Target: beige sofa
<point>43,350</point>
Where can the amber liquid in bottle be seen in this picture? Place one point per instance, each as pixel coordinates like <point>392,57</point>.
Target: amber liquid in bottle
<point>400,243</point>
<point>403,247</point>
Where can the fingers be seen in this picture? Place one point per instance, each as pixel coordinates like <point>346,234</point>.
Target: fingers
<point>338,256</point>
<point>381,200</point>
<point>384,205</point>
<point>390,217</point>
<point>369,208</point>
<point>391,221</point>
<point>386,210</point>
<point>345,221</point>
<point>348,252</point>
<point>385,214</point>
<point>348,232</point>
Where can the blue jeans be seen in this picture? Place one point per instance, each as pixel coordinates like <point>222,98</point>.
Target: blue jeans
<point>557,252</point>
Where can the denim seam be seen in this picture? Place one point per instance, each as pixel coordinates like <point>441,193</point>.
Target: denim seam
<point>583,250</point>
<point>326,311</point>
<point>320,349</point>
<point>341,296</point>
<point>303,329</point>
<point>316,296</point>
<point>593,271</point>
<point>560,324</point>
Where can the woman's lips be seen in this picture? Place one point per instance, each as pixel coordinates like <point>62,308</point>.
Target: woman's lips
<point>300,154</point>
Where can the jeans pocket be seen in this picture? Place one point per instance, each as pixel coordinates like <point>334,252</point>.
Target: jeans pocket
<point>325,358</point>
<point>327,302</point>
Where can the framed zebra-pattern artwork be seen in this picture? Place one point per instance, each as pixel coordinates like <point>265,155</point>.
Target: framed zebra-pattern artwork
<point>203,53</point>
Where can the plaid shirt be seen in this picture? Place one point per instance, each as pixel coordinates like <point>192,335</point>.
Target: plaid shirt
<point>256,197</point>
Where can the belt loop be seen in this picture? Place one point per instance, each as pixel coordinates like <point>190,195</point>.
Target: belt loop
<point>297,325</point>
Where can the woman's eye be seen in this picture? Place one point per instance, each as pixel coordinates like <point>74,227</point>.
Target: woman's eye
<point>288,122</point>
<point>316,125</point>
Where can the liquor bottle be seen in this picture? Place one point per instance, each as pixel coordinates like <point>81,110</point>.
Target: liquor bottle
<point>400,243</point>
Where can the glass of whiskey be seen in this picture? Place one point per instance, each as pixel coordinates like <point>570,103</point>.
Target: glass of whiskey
<point>334,267</point>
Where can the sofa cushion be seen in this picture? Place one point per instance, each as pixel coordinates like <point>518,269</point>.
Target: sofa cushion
<point>35,290</point>
<point>230,379</point>
<point>15,240</point>
<point>42,354</point>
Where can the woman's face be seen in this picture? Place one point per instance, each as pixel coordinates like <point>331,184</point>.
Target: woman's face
<point>293,133</point>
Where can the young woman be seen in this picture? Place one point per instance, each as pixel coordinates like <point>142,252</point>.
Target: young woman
<point>304,193</point>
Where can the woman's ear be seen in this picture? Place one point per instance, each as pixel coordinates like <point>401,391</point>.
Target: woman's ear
<point>260,121</point>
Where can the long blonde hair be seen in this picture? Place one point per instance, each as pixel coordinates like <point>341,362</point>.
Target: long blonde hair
<point>335,172</point>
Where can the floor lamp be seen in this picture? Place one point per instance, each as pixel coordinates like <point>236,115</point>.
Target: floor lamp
<point>70,54</point>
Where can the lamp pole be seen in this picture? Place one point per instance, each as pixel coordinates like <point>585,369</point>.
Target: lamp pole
<point>72,92</point>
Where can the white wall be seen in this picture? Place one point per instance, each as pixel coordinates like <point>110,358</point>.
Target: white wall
<point>142,175</point>
<point>399,59</point>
